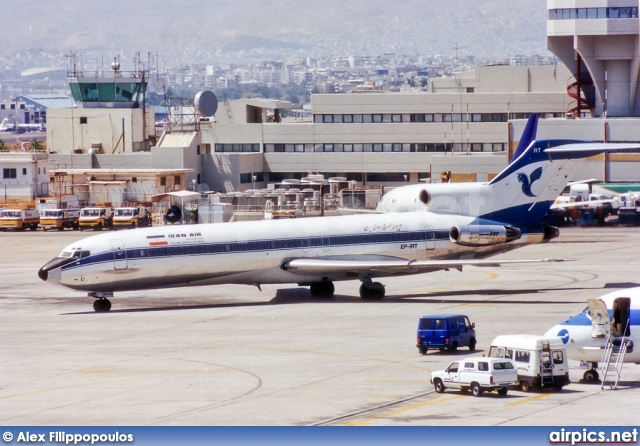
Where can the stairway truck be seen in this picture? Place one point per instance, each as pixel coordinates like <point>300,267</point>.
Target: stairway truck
<point>96,218</point>
<point>60,219</point>
<point>132,217</point>
<point>19,220</point>
<point>541,361</point>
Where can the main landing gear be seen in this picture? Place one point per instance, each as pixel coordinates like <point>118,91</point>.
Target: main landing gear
<point>101,304</point>
<point>322,289</point>
<point>368,290</point>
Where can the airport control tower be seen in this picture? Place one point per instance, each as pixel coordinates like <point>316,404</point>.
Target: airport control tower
<point>109,115</point>
<point>598,40</point>
<point>117,89</point>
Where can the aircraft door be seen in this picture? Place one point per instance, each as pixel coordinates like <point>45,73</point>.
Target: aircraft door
<point>119,254</point>
<point>620,313</point>
<point>600,321</point>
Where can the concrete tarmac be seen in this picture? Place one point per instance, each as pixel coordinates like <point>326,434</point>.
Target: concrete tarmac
<point>233,355</point>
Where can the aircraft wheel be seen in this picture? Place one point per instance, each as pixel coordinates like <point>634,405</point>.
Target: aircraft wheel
<point>322,289</point>
<point>591,375</point>
<point>373,292</point>
<point>101,305</point>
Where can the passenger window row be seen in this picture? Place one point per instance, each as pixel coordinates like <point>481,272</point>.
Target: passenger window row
<point>310,242</point>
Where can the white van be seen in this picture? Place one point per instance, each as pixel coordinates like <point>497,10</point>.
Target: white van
<point>541,362</point>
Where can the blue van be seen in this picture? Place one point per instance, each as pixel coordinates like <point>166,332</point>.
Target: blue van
<point>448,331</point>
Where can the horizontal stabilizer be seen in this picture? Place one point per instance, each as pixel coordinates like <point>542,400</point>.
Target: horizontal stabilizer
<point>582,150</point>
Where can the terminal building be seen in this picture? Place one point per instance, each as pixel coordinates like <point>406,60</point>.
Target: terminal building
<point>467,125</point>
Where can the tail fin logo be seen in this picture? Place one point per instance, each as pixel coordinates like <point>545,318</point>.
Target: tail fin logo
<point>527,182</point>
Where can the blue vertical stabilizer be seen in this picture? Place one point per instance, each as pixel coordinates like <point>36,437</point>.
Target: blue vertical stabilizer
<point>528,136</point>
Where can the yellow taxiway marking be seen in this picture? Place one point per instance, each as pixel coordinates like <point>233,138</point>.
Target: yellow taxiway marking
<point>406,409</point>
<point>529,399</point>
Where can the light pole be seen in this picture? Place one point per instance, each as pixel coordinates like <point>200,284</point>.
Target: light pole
<point>254,178</point>
<point>405,179</point>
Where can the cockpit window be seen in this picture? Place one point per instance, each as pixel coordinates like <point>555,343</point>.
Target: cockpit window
<point>76,254</point>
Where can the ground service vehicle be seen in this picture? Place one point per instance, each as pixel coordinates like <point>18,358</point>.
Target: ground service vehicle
<point>480,374</point>
<point>60,219</point>
<point>19,219</point>
<point>541,361</point>
<point>132,217</point>
<point>96,218</point>
<point>445,331</point>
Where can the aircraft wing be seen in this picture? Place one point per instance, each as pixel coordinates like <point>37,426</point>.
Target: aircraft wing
<point>391,265</point>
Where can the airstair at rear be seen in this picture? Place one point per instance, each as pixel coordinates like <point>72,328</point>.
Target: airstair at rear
<point>613,359</point>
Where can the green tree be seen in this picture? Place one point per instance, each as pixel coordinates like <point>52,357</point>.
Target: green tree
<point>35,146</point>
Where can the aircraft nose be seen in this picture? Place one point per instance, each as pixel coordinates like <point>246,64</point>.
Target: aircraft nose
<point>43,273</point>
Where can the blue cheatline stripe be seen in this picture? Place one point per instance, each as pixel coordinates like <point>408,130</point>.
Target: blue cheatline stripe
<point>583,319</point>
<point>295,243</point>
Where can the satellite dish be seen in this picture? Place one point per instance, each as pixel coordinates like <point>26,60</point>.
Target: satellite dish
<point>206,103</point>
<point>173,215</point>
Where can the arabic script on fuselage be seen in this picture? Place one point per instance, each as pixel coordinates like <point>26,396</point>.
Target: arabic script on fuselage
<point>384,227</point>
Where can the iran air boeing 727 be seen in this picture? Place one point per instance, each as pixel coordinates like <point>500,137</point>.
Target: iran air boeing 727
<point>419,228</point>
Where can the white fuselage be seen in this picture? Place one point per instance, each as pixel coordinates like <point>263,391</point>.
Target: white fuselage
<point>584,342</point>
<point>254,252</point>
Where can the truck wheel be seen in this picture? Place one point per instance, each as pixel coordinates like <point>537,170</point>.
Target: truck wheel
<point>439,386</point>
<point>423,351</point>
<point>472,344</point>
<point>476,390</point>
<point>502,391</point>
<point>524,385</point>
<point>454,347</point>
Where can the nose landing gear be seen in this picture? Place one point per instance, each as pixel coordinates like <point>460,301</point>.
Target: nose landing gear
<point>101,304</point>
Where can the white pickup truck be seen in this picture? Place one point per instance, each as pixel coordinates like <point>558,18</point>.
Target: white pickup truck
<point>479,374</point>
